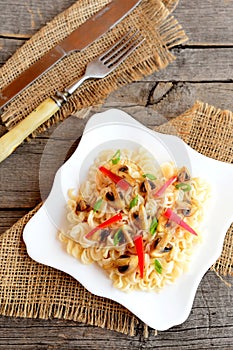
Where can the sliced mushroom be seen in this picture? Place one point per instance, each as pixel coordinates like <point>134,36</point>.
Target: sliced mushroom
<point>162,224</point>
<point>81,205</point>
<point>140,219</point>
<point>128,233</point>
<point>143,187</point>
<point>183,175</point>
<point>123,169</point>
<point>110,196</point>
<point>156,242</point>
<point>143,217</point>
<point>126,264</point>
<point>113,197</point>
<point>103,235</point>
<point>168,248</point>
<point>161,245</point>
<point>186,208</point>
<point>135,216</point>
<point>152,184</point>
<point>147,186</point>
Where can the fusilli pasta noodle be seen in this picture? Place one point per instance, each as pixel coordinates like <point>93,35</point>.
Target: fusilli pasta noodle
<point>128,196</point>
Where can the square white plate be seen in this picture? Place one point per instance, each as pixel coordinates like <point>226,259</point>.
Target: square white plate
<point>111,130</point>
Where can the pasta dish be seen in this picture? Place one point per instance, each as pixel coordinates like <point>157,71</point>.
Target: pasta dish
<point>139,221</point>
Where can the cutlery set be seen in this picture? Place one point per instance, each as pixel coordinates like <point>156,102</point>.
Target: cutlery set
<point>99,68</point>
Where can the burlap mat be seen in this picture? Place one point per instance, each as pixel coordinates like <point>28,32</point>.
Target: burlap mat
<point>29,289</point>
<point>152,17</point>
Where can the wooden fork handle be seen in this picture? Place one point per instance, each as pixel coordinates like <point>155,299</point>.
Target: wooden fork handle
<point>15,137</point>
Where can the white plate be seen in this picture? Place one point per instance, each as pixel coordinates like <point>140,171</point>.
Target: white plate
<point>116,129</point>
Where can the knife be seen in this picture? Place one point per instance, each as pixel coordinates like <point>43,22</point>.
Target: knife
<point>79,39</point>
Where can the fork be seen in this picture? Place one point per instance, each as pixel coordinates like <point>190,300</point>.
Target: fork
<point>99,68</point>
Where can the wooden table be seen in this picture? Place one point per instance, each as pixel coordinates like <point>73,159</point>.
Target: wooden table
<point>203,70</point>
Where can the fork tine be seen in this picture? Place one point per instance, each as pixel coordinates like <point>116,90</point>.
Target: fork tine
<point>118,46</point>
<point>112,48</point>
<point>115,60</point>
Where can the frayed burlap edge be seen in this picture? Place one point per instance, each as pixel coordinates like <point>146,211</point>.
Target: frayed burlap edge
<point>152,18</point>
<point>171,4</point>
<point>22,296</point>
<point>208,130</point>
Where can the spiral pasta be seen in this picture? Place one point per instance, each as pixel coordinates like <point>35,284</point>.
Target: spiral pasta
<point>126,196</point>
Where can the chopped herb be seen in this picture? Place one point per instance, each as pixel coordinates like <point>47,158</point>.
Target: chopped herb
<point>117,237</point>
<point>133,202</point>
<point>97,205</point>
<point>158,266</point>
<point>183,186</point>
<point>150,176</point>
<point>116,158</point>
<point>153,226</point>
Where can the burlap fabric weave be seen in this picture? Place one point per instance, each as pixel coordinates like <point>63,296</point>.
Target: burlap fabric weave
<point>152,17</point>
<point>29,289</point>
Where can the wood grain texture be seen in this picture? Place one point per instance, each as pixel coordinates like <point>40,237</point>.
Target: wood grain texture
<point>206,22</point>
<point>209,326</point>
<point>203,70</point>
<point>24,18</point>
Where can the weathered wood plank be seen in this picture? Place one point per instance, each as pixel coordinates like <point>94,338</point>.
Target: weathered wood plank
<point>199,65</point>
<point>191,64</point>
<point>206,22</point>
<point>8,48</point>
<point>167,100</point>
<point>26,18</point>
<point>9,217</point>
<point>209,325</point>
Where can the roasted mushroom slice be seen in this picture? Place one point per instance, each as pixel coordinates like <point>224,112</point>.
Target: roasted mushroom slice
<point>113,197</point>
<point>140,219</point>
<point>143,187</point>
<point>183,175</point>
<point>186,208</point>
<point>168,248</point>
<point>123,171</point>
<point>126,264</point>
<point>144,222</point>
<point>128,233</point>
<point>103,235</point>
<point>81,205</point>
<point>161,245</point>
<point>147,186</point>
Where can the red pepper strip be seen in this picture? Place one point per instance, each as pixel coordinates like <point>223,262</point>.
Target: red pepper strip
<point>165,186</point>
<point>115,178</point>
<point>174,217</point>
<point>104,224</point>
<point>140,252</point>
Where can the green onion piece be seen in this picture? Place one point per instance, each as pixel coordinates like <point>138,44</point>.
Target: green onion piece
<point>153,226</point>
<point>183,186</point>
<point>117,238</point>
<point>158,266</point>
<point>117,156</point>
<point>97,204</point>
<point>133,202</point>
<point>150,176</point>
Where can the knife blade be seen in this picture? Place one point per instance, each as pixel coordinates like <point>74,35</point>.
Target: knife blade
<point>79,39</point>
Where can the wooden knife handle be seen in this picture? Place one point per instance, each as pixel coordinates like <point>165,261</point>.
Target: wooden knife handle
<point>15,137</point>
